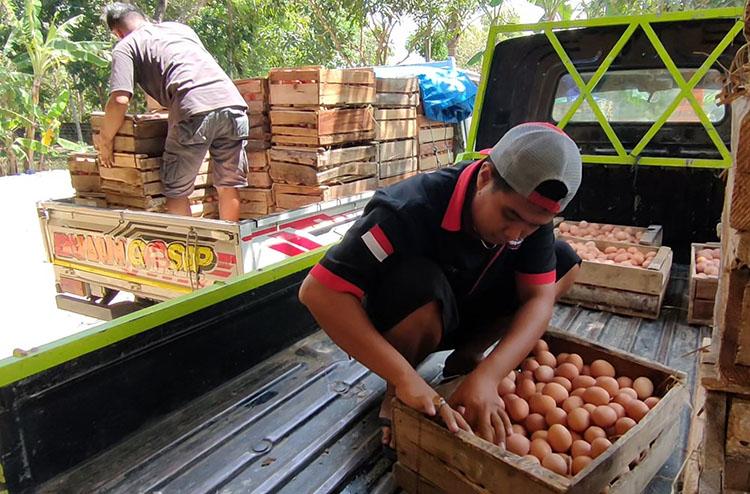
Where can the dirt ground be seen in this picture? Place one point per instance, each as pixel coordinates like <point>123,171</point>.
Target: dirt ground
<point>30,317</point>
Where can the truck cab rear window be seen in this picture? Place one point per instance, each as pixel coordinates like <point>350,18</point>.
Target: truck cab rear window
<point>634,96</point>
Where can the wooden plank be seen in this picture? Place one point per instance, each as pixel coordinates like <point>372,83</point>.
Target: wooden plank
<point>147,203</point>
<point>386,182</point>
<point>412,483</point>
<point>94,202</point>
<point>326,140</point>
<point>318,73</point>
<point>725,376</point>
<point>435,134</point>
<point>259,179</point>
<point>395,113</point>
<point>292,197</point>
<point>387,169</point>
<point>257,85</point>
<point>435,161</point>
<point>430,148</point>
<point>613,300</point>
<point>712,464</point>
<point>86,183</point>
<point>738,432</point>
<point>259,120</point>
<point>307,175</point>
<point>321,121</point>
<point>148,189</point>
<point>140,126</point>
<point>691,472</point>
<point>129,175</point>
<point>396,99</point>
<point>386,130</point>
<point>151,146</point>
<point>259,134</point>
<point>139,161</point>
<point>397,85</point>
<point>257,160</point>
<point>255,195</point>
<point>321,158</point>
<point>321,94</point>
<point>738,188</point>
<point>254,209</point>
<point>87,164</point>
<point>395,150</point>
<point>257,145</point>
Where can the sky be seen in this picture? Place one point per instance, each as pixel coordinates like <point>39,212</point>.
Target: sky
<point>527,13</point>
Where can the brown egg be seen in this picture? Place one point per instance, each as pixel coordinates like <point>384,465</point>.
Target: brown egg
<point>571,403</point>
<point>518,409</point>
<point>604,416</point>
<point>556,391</point>
<point>623,425</point>
<point>556,463</point>
<point>580,448</point>
<point>532,459</point>
<point>518,429</point>
<point>556,416</point>
<point>602,368</point>
<point>576,360</point>
<point>579,463</point>
<point>576,436</point>
<point>565,383</point>
<point>538,387</point>
<point>508,398</point>
<point>599,446</point>
<point>594,432</point>
<point>540,448</point>
<point>525,388</point>
<point>596,396</point>
<point>546,358</point>
<point>636,409</point>
<point>526,374</point>
<point>651,401</point>
<point>559,438</point>
<point>530,364</point>
<point>583,382</point>
<point>610,431</point>
<point>544,373</point>
<point>578,392</point>
<point>518,444</point>
<point>535,422</point>
<point>541,346</point>
<point>586,370</point>
<point>539,403</point>
<point>541,434</point>
<point>567,370</point>
<point>622,398</point>
<point>506,386</point>
<point>609,384</point>
<point>579,419</point>
<point>562,357</point>
<point>589,407</point>
<point>625,382</point>
<point>619,409</point>
<point>643,387</point>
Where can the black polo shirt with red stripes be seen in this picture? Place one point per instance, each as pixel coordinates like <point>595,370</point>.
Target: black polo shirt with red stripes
<point>429,216</point>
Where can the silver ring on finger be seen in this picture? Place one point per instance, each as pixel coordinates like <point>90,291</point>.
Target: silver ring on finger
<point>439,403</point>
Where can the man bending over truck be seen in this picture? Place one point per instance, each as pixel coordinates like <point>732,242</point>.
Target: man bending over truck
<point>454,259</point>
<point>206,111</point>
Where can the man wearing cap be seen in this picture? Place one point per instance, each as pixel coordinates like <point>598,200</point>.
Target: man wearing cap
<point>454,259</point>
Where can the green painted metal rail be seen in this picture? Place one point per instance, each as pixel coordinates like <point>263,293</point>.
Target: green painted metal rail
<point>631,25</point>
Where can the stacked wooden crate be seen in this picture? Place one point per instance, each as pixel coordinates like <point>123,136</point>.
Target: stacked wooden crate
<point>84,177</point>
<point>133,180</point>
<point>322,129</point>
<point>256,200</point>
<point>720,431</point>
<point>396,128</point>
<point>436,146</point>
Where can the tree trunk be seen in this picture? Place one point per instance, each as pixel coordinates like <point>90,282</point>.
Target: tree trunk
<point>161,9</point>
<point>31,128</point>
<point>230,35</point>
<point>76,115</point>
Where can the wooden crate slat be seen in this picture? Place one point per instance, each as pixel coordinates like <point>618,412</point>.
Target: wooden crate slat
<point>255,195</point>
<point>435,134</point>
<point>397,85</point>
<point>395,113</point>
<point>613,300</point>
<point>307,175</point>
<point>397,99</point>
<point>139,161</point>
<point>259,179</point>
<point>320,74</point>
<point>321,121</point>
<point>430,148</point>
<point>129,175</point>
<point>151,146</point>
<point>252,85</point>
<point>435,161</point>
<point>395,129</point>
<point>83,163</point>
<point>141,126</point>
<point>86,183</point>
<point>701,291</point>
<point>325,140</point>
<point>321,158</point>
<point>387,169</point>
<point>148,203</point>
<point>293,196</point>
<point>412,483</point>
<point>385,182</point>
<point>395,150</point>
<point>321,94</point>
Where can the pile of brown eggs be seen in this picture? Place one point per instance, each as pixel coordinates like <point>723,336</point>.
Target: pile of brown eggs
<point>597,231</point>
<point>631,256</point>
<point>566,412</point>
<point>708,263</point>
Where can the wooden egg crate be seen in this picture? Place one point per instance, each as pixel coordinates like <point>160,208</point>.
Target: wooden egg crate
<point>433,460</point>
<point>702,289</point>
<point>627,290</point>
<point>651,235</point>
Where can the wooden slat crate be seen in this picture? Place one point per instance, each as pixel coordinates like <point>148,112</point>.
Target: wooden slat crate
<point>322,127</point>
<point>396,150</point>
<point>393,168</point>
<point>385,182</point>
<point>316,86</point>
<point>651,235</point>
<point>321,158</point>
<point>395,123</point>
<point>150,146</point>
<point>294,196</point>
<point>435,161</point>
<point>430,148</point>
<point>255,93</point>
<point>259,179</point>
<point>290,173</point>
<point>141,126</point>
<point>434,134</point>
<point>432,459</point>
<point>702,290</point>
<point>138,161</point>
<point>632,291</point>
<point>84,173</point>
<point>737,449</point>
<point>402,92</point>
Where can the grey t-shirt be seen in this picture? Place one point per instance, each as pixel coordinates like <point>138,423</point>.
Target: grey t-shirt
<point>170,63</point>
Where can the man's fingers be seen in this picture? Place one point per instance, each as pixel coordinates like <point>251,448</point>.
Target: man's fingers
<point>462,423</point>
<point>485,430</point>
<point>498,428</point>
<point>506,422</point>
<point>447,414</point>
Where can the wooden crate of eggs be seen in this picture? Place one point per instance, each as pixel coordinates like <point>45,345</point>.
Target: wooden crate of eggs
<point>651,235</point>
<point>586,419</point>
<point>620,277</point>
<point>705,266</point>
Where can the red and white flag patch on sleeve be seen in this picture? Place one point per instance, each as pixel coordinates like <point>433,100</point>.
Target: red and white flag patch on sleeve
<point>377,243</point>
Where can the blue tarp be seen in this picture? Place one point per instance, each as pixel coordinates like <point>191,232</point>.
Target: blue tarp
<point>447,93</point>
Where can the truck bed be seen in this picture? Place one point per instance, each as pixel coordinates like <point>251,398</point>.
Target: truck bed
<point>305,419</point>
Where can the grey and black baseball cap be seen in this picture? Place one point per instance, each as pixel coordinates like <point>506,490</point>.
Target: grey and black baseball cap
<point>531,154</point>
